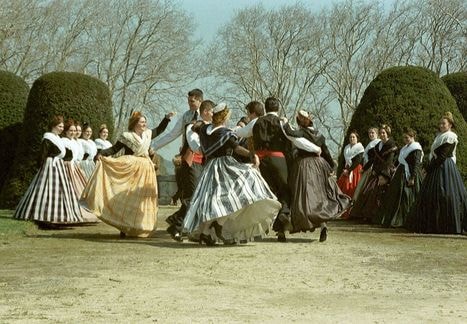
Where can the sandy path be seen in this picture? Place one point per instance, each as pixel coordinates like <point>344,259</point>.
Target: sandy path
<point>361,274</point>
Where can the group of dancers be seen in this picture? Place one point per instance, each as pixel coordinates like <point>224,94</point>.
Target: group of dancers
<point>236,184</point>
<point>424,195</point>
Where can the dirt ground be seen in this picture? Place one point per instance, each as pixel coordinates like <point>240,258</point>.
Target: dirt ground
<point>361,274</point>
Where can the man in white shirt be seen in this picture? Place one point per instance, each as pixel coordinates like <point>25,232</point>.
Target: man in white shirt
<point>191,167</point>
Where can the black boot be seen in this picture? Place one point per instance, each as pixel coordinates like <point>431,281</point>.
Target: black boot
<point>324,234</point>
<point>281,237</point>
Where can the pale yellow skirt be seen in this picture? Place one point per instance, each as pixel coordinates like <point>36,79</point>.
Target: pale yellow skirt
<point>122,192</point>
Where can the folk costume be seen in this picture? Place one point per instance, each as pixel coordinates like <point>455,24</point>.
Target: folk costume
<point>369,200</point>
<point>189,172</point>
<point>270,144</point>
<point>73,157</point>
<point>353,156</point>
<point>50,197</point>
<point>87,164</point>
<point>368,156</point>
<point>102,144</point>
<point>441,206</point>
<point>122,191</point>
<point>230,194</point>
<point>316,197</point>
<point>399,198</point>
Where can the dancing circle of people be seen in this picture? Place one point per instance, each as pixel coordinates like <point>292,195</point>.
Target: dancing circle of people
<point>237,184</point>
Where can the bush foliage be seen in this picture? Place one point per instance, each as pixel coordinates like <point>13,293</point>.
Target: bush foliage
<point>13,97</point>
<point>408,97</point>
<point>457,85</point>
<point>72,95</point>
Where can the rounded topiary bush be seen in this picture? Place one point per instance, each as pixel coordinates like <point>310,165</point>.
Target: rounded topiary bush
<point>72,95</point>
<point>13,97</point>
<point>408,97</point>
<point>457,85</point>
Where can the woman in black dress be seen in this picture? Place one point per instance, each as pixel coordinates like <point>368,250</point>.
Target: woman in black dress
<point>316,198</point>
<point>369,200</point>
<point>405,184</point>
<point>441,206</point>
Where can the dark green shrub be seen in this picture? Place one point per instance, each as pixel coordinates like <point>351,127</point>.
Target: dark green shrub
<point>457,85</point>
<point>409,97</point>
<point>72,95</point>
<point>13,97</point>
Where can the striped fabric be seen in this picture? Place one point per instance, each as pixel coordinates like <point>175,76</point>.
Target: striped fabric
<point>236,196</point>
<point>50,197</point>
<point>87,166</point>
<point>122,192</point>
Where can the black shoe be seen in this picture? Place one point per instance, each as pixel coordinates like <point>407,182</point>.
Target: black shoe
<point>122,235</point>
<point>324,234</point>
<point>174,233</point>
<point>285,220</point>
<point>281,237</point>
<point>207,239</point>
<point>218,229</point>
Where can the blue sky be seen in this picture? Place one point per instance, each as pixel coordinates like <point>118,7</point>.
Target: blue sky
<point>209,15</point>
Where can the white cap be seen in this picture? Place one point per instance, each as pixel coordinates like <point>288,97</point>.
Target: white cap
<point>221,106</point>
<point>305,114</point>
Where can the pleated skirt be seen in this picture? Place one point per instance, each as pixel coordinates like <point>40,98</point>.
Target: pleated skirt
<point>50,198</point>
<point>441,206</point>
<point>78,182</point>
<point>236,196</point>
<point>316,196</point>
<point>122,192</point>
<point>87,167</point>
<point>398,200</point>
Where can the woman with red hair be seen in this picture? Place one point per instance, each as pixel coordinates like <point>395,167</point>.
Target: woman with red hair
<point>122,191</point>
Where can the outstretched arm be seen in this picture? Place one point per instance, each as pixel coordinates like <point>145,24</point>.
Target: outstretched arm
<point>170,136</point>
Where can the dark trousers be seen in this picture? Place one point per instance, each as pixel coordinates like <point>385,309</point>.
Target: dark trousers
<point>189,176</point>
<point>274,171</point>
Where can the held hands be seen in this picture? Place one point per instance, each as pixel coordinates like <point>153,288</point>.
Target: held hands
<point>410,182</point>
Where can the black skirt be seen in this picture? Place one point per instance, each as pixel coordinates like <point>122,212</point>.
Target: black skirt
<point>316,196</point>
<point>441,206</point>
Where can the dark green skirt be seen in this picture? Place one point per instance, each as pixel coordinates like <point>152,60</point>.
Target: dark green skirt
<point>398,200</point>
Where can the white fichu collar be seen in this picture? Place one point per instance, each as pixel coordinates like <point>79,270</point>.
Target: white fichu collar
<point>57,141</point>
<point>442,138</point>
<point>351,151</point>
<point>370,145</point>
<point>404,153</point>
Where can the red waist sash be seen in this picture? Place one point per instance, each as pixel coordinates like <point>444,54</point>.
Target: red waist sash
<point>264,153</point>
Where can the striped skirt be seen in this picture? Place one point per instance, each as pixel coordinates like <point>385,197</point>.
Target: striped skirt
<point>122,192</point>
<point>78,182</point>
<point>50,197</point>
<point>236,196</point>
<point>87,167</point>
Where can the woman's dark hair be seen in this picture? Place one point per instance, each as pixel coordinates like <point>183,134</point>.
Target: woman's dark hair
<point>54,121</point>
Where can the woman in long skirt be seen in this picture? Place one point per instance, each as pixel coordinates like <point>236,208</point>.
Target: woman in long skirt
<point>232,201</point>
<point>352,172</point>
<point>441,206</point>
<point>316,197</point>
<point>368,156</point>
<point>405,184</point>
<point>369,200</point>
<point>50,199</point>
<point>122,191</point>
<point>90,151</point>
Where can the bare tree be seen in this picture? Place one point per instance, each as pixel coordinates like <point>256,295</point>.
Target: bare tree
<point>263,53</point>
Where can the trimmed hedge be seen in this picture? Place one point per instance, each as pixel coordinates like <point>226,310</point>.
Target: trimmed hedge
<point>457,85</point>
<point>408,97</point>
<point>13,97</point>
<point>73,95</point>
